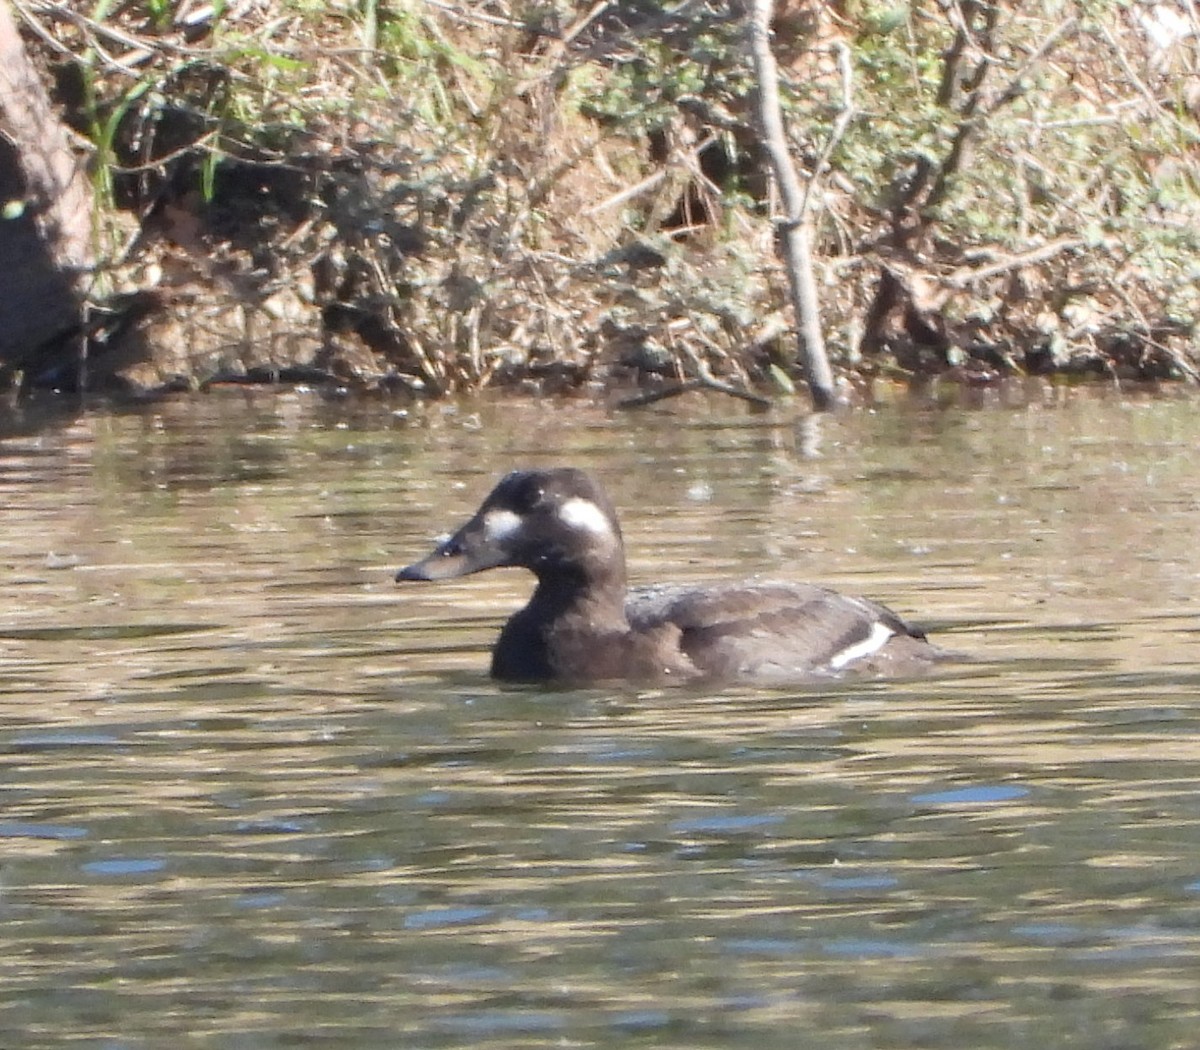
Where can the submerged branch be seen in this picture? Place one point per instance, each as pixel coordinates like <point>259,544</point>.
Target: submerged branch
<point>687,386</point>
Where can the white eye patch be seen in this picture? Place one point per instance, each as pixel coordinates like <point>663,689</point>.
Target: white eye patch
<point>583,514</point>
<point>500,525</point>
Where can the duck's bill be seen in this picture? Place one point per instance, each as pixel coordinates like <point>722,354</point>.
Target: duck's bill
<point>432,568</point>
<point>461,555</point>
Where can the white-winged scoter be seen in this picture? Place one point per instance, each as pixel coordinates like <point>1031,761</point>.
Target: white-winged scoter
<point>582,625</point>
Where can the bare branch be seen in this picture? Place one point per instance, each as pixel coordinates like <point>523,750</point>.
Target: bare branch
<point>795,237</point>
<point>844,117</point>
<point>964,275</point>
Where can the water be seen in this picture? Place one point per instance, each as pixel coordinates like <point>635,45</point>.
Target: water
<point>252,794</point>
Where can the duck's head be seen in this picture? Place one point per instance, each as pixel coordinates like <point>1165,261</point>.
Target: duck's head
<point>556,523</point>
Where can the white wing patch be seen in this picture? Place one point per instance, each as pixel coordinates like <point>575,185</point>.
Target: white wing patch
<point>501,525</point>
<point>583,514</point>
<point>880,633</point>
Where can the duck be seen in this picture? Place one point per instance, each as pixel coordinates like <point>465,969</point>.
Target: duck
<point>583,625</point>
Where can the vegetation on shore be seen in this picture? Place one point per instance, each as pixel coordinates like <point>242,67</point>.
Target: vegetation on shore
<point>440,195</point>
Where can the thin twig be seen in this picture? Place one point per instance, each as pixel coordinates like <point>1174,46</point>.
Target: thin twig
<point>478,17</point>
<point>1186,130</point>
<point>964,276</point>
<point>1015,86</point>
<point>844,117</point>
<point>1177,359</point>
<point>63,13</point>
<point>650,181</point>
<point>621,196</point>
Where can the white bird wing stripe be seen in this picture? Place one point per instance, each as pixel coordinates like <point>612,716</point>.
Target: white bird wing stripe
<point>880,633</point>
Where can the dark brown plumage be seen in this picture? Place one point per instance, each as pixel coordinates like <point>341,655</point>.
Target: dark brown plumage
<point>581,626</point>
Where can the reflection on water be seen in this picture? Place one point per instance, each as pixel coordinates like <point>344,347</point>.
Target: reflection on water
<point>255,796</point>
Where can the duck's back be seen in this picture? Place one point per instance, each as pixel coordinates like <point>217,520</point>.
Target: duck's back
<point>769,631</point>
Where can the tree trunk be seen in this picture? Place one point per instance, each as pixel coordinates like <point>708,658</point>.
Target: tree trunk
<point>794,233</point>
<point>45,212</point>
